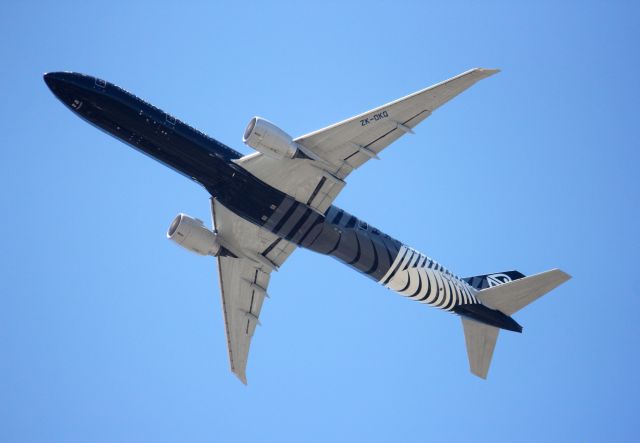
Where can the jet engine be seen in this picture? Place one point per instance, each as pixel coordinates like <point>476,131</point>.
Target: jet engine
<point>191,234</point>
<point>264,136</point>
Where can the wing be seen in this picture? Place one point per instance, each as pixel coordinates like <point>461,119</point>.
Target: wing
<point>244,279</point>
<point>340,148</point>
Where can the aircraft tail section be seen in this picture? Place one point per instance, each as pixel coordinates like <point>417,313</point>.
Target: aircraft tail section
<point>500,302</point>
<point>490,280</point>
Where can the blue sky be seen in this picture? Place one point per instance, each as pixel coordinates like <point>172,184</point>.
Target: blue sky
<point>109,332</point>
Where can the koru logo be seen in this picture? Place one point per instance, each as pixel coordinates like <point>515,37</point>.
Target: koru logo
<point>497,279</point>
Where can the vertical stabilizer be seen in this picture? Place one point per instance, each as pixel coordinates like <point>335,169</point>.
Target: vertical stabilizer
<point>490,280</point>
<point>480,340</point>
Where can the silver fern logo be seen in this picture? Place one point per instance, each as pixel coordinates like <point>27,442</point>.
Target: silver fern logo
<point>497,279</point>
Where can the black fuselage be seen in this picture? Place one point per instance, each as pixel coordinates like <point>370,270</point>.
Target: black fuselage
<point>166,139</point>
<point>211,164</point>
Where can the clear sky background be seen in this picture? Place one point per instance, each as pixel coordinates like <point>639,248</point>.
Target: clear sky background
<point>111,333</point>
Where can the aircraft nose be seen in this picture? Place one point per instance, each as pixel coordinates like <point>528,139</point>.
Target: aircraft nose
<point>71,87</point>
<point>55,79</point>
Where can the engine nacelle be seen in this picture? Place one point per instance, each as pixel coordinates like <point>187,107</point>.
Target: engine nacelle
<point>264,136</point>
<point>191,234</point>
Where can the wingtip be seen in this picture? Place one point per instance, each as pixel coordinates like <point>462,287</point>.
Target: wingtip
<point>489,71</point>
<point>565,275</point>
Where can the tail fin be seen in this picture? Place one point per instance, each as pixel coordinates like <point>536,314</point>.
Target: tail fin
<point>508,298</point>
<point>490,280</point>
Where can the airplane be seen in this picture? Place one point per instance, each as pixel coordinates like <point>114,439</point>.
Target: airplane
<point>266,204</point>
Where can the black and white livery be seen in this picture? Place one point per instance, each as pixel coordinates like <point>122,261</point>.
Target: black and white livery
<point>266,204</point>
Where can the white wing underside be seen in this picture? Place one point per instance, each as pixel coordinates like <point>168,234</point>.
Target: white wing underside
<point>347,145</point>
<point>244,280</point>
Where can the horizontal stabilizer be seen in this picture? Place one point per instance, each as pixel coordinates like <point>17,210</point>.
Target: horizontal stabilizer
<point>513,296</point>
<point>481,341</point>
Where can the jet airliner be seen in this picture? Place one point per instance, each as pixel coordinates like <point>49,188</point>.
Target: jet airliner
<point>266,204</point>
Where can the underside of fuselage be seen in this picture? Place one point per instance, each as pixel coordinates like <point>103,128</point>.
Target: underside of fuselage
<point>168,140</point>
<point>212,164</point>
